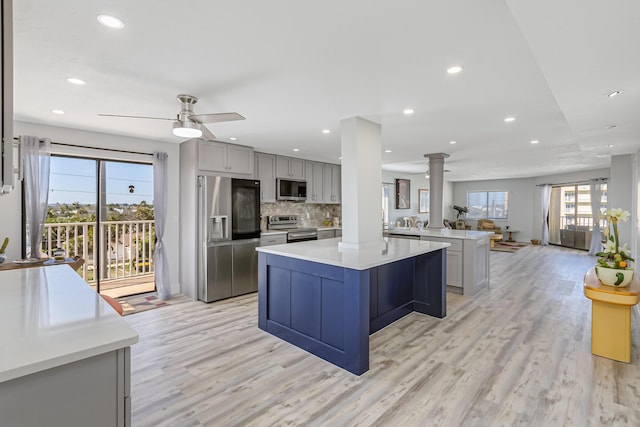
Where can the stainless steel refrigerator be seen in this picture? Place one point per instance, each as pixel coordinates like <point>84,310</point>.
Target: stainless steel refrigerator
<point>228,234</point>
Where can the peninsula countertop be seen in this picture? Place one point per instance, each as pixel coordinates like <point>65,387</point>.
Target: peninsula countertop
<point>327,252</point>
<point>445,232</point>
<point>52,317</point>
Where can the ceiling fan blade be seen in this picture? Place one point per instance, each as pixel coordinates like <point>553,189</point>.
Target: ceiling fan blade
<point>134,117</point>
<point>216,118</point>
<point>206,134</point>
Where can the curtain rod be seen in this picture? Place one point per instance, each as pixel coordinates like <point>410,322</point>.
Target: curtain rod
<point>574,183</point>
<point>94,148</point>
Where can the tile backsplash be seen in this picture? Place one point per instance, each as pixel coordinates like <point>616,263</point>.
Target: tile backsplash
<point>309,214</point>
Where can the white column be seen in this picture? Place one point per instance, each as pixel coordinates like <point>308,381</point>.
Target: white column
<point>436,183</point>
<point>361,184</point>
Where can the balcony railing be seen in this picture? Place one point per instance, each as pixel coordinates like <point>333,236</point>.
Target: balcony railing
<point>126,250</point>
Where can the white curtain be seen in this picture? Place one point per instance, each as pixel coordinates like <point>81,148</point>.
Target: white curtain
<point>545,194</point>
<point>36,184</point>
<point>160,181</point>
<point>596,236</point>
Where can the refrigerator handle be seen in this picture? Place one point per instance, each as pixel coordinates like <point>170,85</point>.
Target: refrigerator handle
<point>202,237</point>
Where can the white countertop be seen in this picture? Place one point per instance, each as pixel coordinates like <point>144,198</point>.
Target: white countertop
<point>51,317</point>
<point>326,251</point>
<point>329,227</point>
<point>445,232</point>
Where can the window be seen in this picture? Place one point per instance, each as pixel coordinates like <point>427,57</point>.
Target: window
<point>102,211</point>
<point>488,204</point>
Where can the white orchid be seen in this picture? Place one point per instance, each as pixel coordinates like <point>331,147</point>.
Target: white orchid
<point>619,214</point>
<point>609,247</point>
<point>613,254</point>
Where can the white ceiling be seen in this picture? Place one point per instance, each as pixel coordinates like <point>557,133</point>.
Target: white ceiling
<point>294,68</point>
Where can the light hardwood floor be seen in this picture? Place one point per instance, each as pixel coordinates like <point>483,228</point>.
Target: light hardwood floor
<point>517,353</point>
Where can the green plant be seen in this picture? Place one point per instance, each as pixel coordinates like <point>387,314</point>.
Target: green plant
<point>4,245</point>
<point>613,255</point>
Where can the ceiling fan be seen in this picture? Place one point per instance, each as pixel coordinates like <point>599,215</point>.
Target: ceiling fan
<point>187,124</point>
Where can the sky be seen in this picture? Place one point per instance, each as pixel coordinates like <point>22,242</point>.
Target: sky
<point>74,180</point>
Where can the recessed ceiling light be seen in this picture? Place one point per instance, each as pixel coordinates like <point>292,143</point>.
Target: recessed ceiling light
<point>339,158</point>
<point>387,151</point>
<point>57,111</point>
<point>452,142</point>
<point>110,21</point>
<point>326,131</point>
<point>535,141</point>
<point>509,119</point>
<point>75,81</point>
<point>407,111</point>
<point>233,138</point>
<point>612,94</point>
<point>296,149</point>
<point>610,145</point>
<point>454,70</point>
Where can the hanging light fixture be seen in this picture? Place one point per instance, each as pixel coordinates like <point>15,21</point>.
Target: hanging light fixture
<point>187,129</point>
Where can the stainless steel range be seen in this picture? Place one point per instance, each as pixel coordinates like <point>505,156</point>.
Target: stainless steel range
<point>290,223</point>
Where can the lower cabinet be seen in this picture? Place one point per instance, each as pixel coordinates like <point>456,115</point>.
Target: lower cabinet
<point>273,239</point>
<point>326,234</point>
<point>467,263</point>
<point>89,392</point>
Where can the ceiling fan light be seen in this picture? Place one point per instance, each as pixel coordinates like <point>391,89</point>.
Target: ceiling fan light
<point>187,129</point>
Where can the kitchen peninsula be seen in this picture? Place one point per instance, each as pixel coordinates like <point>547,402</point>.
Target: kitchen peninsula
<point>327,300</point>
<point>467,257</point>
<point>64,352</point>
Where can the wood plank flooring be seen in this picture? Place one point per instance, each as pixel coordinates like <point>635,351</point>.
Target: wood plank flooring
<point>517,353</point>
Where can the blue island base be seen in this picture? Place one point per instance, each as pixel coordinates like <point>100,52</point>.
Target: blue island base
<point>330,311</point>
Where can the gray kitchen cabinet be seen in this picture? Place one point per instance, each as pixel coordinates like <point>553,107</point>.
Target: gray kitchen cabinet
<point>273,239</point>
<point>315,184</point>
<point>332,185</point>
<point>265,171</point>
<point>338,232</point>
<point>217,156</point>
<point>289,167</point>
<point>326,234</point>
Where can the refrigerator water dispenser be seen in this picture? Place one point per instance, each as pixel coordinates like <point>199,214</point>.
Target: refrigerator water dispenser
<point>218,227</point>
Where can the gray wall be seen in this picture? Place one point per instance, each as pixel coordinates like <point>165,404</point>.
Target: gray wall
<point>418,181</point>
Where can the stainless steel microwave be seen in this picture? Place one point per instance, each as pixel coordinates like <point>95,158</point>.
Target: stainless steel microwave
<point>291,189</point>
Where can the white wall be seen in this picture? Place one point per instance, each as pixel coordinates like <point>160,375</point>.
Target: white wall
<point>10,205</point>
<point>621,194</point>
<point>525,209</point>
<point>418,181</point>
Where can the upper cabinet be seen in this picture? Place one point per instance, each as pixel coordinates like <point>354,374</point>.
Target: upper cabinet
<point>265,171</point>
<point>323,182</point>
<point>7,177</point>
<point>315,185</point>
<point>217,156</point>
<point>332,183</point>
<point>289,167</point>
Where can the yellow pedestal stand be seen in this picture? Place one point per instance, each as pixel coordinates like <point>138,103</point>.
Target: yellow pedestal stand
<point>611,316</point>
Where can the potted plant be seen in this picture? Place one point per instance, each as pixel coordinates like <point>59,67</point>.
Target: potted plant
<point>2,249</point>
<point>613,262</point>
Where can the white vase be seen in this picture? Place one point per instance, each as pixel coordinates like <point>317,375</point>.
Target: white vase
<point>617,277</point>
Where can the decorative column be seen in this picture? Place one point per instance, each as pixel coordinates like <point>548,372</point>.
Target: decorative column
<point>436,182</point>
<point>361,180</point>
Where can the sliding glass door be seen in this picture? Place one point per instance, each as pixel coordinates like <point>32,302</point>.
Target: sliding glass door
<point>570,218</point>
<point>102,211</point>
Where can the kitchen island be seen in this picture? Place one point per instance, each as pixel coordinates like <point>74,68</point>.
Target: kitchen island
<point>64,352</point>
<point>327,300</point>
<point>467,257</point>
